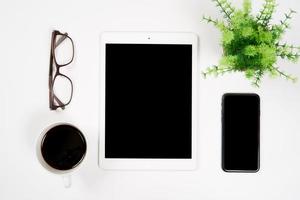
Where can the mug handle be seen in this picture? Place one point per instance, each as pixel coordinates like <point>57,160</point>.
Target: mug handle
<point>67,180</point>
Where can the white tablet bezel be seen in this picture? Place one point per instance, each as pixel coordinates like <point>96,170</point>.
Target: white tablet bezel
<point>146,38</point>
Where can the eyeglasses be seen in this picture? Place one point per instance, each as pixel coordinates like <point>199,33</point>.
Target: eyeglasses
<point>60,85</point>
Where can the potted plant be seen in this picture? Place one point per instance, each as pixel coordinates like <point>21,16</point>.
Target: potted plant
<point>251,43</point>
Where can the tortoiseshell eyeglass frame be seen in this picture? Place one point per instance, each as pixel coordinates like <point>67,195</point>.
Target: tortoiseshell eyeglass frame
<point>54,101</point>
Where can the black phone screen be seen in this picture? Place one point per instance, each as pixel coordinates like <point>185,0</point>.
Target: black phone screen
<point>148,101</point>
<point>240,132</point>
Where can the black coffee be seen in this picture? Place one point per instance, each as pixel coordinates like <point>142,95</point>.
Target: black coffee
<point>63,147</point>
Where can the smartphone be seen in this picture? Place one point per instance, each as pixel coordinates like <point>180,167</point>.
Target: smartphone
<point>240,132</point>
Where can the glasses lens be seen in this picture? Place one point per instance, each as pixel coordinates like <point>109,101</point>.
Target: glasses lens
<point>63,50</point>
<point>62,88</point>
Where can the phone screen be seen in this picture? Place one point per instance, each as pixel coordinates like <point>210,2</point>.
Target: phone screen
<point>240,132</point>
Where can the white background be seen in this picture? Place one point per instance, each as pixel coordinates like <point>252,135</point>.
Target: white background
<point>24,54</point>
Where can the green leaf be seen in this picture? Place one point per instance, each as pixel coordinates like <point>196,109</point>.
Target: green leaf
<point>227,37</point>
<point>247,7</point>
<point>249,73</point>
<point>250,51</point>
<point>267,55</point>
<point>228,61</point>
<point>247,32</point>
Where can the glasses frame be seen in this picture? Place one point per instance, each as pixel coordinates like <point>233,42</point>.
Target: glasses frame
<point>52,76</point>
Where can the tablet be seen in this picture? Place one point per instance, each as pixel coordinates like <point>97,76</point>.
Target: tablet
<point>148,101</point>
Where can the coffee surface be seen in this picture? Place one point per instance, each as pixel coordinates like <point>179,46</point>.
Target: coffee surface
<point>63,147</point>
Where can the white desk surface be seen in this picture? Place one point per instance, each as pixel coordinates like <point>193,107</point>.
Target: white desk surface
<point>24,54</point>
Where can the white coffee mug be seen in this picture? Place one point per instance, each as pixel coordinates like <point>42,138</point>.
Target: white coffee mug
<point>65,174</point>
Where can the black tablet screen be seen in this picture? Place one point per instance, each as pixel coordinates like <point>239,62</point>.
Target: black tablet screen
<point>148,101</point>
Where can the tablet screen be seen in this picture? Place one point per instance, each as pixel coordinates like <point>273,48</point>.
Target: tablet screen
<point>148,101</point>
